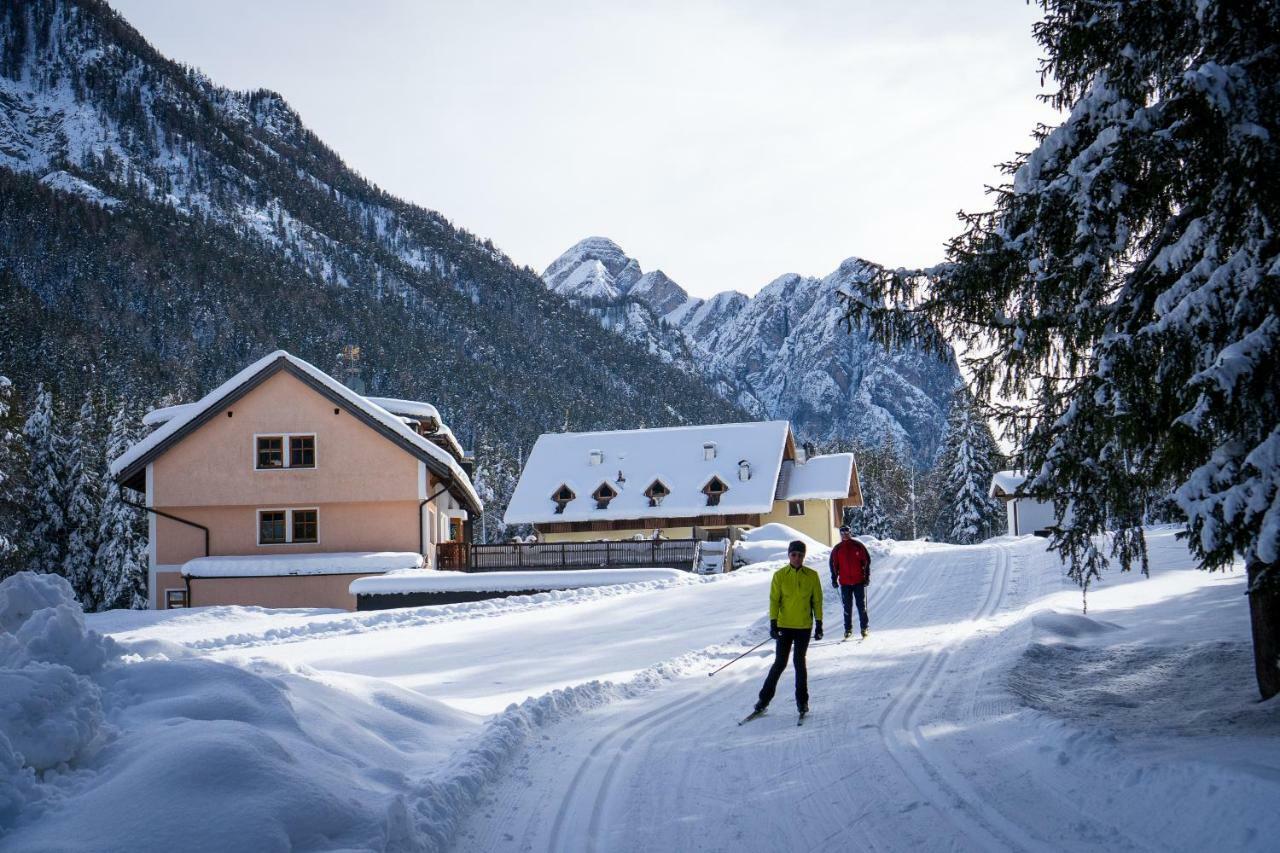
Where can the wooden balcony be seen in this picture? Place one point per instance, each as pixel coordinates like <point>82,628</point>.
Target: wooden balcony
<point>548,556</point>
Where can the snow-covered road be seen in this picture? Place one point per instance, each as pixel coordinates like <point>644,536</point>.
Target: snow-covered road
<point>984,713</point>
<point>915,743</point>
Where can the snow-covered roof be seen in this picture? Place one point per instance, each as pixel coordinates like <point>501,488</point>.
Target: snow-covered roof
<point>821,477</point>
<point>192,412</point>
<point>155,417</point>
<point>446,435</point>
<point>408,408</point>
<point>283,565</point>
<point>674,455</point>
<point>1005,483</point>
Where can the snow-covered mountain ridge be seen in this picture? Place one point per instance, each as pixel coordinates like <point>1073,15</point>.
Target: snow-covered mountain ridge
<point>780,354</point>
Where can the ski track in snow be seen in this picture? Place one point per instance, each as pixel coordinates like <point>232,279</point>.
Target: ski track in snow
<point>625,778</point>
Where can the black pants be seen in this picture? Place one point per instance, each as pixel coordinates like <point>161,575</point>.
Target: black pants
<point>848,595</point>
<point>794,642</point>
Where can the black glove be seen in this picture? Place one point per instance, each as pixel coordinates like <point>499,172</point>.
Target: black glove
<point>773,629</point>
<point>817,631</point>
<point>834,584</point>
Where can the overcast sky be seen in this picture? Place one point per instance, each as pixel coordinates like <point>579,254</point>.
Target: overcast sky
<point>725,143</point>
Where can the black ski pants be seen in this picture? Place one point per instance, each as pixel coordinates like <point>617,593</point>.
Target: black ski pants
<point>791,642</point>
<point>850,594</point>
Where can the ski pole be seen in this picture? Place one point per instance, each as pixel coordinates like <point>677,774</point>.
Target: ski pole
<point>741,656</point>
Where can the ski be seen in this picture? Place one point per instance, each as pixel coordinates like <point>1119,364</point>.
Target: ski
<point>753,715</point>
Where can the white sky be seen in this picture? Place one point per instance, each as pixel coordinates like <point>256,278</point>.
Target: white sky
<point>725,143</point>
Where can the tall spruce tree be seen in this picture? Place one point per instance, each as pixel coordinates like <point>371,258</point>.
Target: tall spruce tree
<point>1127,286</point>
<point>84,475</point>
<point>966,462</point>
<point>886,501</point>
<point>46,489</point>
<point>121,577</point>
<point>11,481</point>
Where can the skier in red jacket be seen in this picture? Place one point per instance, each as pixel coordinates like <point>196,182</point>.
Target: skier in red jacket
<point>850,573</point>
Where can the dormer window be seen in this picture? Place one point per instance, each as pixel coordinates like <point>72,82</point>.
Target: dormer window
<point>714,488</point>
<point>656,492</point>
<point>562,496</point>
<point>603,494</point>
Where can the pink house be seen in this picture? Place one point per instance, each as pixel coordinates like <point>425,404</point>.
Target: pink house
<point>282,485</point>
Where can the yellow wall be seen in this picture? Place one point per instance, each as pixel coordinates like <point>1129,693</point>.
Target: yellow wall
<point>817,521</point>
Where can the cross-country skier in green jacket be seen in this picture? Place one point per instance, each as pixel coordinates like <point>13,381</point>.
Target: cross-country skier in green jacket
<point>795,607</point>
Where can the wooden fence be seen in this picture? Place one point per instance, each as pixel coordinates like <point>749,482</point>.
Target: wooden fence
<point>626,553</point>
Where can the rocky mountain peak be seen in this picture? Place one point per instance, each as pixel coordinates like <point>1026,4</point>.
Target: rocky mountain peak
<point>780,354</point>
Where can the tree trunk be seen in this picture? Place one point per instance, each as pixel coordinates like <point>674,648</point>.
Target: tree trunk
<point>1264,613</point>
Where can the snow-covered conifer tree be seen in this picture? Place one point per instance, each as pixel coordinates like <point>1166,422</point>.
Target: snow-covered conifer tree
<point>121,578</point>
<point>967,460</point>
<point>885,510</point>
<point>46,496</point>
<point>495,481</point>
<point>1125,283</point>
<point>84,475</point>
<point>11,482</point>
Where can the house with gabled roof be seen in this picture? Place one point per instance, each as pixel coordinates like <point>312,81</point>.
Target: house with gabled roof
<point>282,485</point>
<point>1025,514</point>
<point>681,482</point>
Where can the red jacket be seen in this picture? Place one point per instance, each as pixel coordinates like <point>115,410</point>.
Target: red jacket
<point>850,563</point>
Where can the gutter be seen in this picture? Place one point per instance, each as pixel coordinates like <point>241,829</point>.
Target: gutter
<point>164,514</point>
<point>186,580</point>
<point>422,526</point>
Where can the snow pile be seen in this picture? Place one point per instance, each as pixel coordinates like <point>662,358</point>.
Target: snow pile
<point>1145,681</point>
<point>101,747</point>
<point>50,710</point>
<point>277,565</point>
<point>768,544</point>
<point>420,580</point>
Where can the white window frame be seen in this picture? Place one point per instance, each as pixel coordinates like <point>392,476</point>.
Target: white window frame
<point>286,453</point>
<point>288,523</point>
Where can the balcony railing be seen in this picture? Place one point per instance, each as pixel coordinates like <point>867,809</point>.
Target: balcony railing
<point>626,553</point>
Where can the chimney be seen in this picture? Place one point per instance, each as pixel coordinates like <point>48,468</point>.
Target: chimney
<point>595,457</point>
<point>709,451</point>
<point>744,470</point>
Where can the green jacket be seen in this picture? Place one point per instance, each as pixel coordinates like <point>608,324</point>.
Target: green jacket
<point>795,597</point>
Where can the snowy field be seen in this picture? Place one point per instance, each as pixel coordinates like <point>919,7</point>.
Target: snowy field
<point>985,712</point>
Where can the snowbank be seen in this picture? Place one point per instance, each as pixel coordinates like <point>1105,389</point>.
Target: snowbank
<point>276,565</point>
<point>51,712</point>
<point>433,581</point>
<point>104,748</point>
<point>768,544</point>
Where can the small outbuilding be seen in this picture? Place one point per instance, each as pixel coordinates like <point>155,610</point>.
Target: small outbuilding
<point>1025,514</point>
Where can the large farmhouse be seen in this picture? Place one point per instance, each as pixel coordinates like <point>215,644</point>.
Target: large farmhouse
<point>282,485</point>
<point>681,482</point>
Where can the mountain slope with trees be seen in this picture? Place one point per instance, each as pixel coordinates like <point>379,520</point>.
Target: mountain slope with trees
<point>158,232</point>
